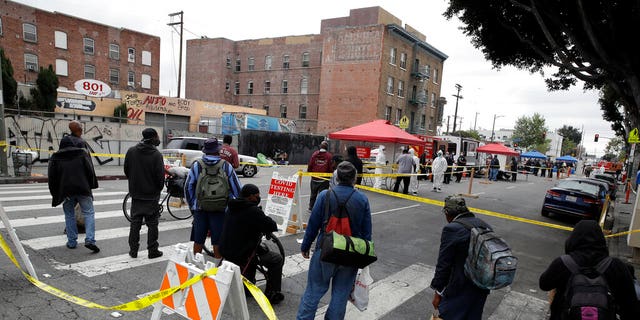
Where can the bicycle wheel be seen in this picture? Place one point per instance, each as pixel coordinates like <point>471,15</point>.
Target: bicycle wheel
<point>178,207</point>
<point>126,207</point>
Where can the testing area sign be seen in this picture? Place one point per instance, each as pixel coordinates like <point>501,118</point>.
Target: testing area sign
<point>92,88</point>
<point>280,199</point>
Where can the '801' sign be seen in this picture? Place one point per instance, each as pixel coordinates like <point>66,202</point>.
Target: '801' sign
<point>92,88</point>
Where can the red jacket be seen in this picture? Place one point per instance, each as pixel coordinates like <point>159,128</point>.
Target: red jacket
<point>320,162</point>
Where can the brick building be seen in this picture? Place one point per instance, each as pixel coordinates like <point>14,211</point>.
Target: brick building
<point>77,49</point>
<point>361,67</point>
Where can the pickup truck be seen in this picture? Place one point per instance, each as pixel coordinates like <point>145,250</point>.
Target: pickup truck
<point>191,148</point>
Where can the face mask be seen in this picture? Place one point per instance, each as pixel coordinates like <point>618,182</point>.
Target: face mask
<point>156,142</point>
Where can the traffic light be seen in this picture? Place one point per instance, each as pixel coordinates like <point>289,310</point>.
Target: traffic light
<point>596,138</point>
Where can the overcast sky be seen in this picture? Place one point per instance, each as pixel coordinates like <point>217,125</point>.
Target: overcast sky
<point>509,93</point>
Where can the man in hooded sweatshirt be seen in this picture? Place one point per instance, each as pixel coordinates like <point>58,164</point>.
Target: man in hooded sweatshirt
<point>144,168</point>
<point>587,246</point>
<point>71,179</point>
<point>241,239</point>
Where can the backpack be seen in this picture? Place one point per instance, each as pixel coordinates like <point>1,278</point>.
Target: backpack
<point>212,187</point>
<point>587,297</point>
<point>338,220</point>
<point>489,264</point>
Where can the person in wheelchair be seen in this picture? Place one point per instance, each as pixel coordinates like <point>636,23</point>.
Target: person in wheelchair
<point>241,241</point>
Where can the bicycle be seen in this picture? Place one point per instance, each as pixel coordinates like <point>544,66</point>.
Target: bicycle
<point>174,200</point>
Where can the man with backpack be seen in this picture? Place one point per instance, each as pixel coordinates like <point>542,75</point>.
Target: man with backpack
<point>210,184</point>
<point>456,296</point>
<point>588,283</point>
<point>322,274</point>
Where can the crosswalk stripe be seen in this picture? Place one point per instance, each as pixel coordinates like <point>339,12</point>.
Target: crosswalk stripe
<point>48,206</point>
<point>514,303</point>
<point>35,221</point>
<point>61,240</point>
<point>48,196</point>
<point>22,186</point>
<point>390,292</point>
<point>39,190</point>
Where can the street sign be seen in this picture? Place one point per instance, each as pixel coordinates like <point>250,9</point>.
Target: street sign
<point>633,136</point>
<point>404,122</point>
<point>92,88</point>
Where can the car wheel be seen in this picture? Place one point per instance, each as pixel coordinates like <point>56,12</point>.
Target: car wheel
<point>249,171</point>
<point>544,213</point>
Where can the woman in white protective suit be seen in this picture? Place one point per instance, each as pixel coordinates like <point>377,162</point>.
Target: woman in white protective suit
<point>413,185</point>
<point>439,167</point>
<point>381,161</point>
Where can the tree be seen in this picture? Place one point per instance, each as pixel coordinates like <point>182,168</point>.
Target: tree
<point>9,84</point>
<point>530,132</point>
<point>120,112</point>
<point>580,40</point>
<point>46,94</point>
<point>616,148</point>
<point>571,139</point>
<point>474,134</point>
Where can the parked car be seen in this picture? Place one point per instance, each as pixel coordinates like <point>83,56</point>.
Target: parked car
<point>578,197</point>
<point>611,181</point>
<point>191,148</point>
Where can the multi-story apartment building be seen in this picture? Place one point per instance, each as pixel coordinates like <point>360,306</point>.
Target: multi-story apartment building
<point>362,67</point>
<point>77,49</point>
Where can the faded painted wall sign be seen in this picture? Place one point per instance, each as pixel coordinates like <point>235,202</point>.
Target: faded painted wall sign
<point>76,104</point>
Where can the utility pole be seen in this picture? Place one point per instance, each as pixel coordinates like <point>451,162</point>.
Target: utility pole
<point>180,59</point>
<point>4,171</point>
<point>475,121</point>
<point>455,114</point>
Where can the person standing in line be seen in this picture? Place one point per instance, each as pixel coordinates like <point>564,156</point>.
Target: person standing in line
<point>587,247</point>
<point>439,167</point>
<point>229,153</point>
<point>71,179</point>
<point>461,164</point>
<point>381,161</point>
<point>323,274</point>
<point>447,174</point>
<point>414,179</point>
<point>320,162</point>
<point>424,161</point>
<point>456,296</point>
<point>209,221</point>
<point>543,169</point>
<point>405,165</point>
<point>550,168</point>
<point>75,138</point>
<point>144,168</point>
<point>514,169</point>
<point>495,167</point>
<point>352,156</point>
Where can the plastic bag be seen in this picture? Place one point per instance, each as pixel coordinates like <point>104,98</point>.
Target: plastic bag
<point>360,293</point>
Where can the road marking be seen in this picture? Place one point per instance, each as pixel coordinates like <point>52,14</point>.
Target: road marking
<point>35,221</point>
<point>390,292</point>
<point>48,196</point>
<point>39,190</point>
<point>48,206</point>
<point>22,186</point>
<point>510,187</point>
<point>395,209</point>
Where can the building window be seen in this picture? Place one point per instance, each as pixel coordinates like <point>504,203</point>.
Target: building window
<point>435,75</point>
<point>267,63</point>
<point>131,79</point>
<point>430,123</point>
<point>266,108</point>
<point>400,88</point>
<point>424,95</point>
<point>60,39</point>
<point>392,56</point>
<point>390,85</point>
<point>403,60</point>
<point>285,86</point>
<point>114,76</point>
<point>238,64</point>
<point>227,86</point>
<point>283,111</point>
<point>29,32</point>
<point>305,59</point>
<point>146,58</point>
<point>89,71</point>
<point>303,111</point>
<point>31,62</point>
<point>131,55</point>
<point>228,63</point>
<point>285,62</point>
<point>236,88</point>
<point>422,121</point>
<point>145,81</point>
<point>433,99</point>
<point>398,115</point>
<point>62,68</point>
<point>387,113</point>
<point>250,87</point>
<point>252,64</point>
<point>267,87</point>
<point>0,26</point>
<point>304,86</point>
<point>88,45</point>
<point>114,51</point>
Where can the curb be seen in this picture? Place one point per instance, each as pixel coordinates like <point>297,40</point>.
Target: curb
<point>44,179</point>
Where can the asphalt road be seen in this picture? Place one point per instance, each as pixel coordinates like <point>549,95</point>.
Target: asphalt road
<point>406,234</point>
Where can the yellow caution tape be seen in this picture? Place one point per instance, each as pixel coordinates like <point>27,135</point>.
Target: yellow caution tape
<point>261,299</point>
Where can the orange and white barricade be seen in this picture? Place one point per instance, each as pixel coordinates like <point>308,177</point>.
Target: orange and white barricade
<point>207,298</point>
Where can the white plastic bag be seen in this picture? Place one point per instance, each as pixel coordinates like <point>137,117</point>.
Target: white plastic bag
<point>360,293</point>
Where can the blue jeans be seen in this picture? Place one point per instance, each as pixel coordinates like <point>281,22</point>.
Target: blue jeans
<point>320,275</point>
<point>86,204</point>
<point>493,174</point>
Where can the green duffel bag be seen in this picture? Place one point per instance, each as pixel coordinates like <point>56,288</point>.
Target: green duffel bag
<point>347,251</point>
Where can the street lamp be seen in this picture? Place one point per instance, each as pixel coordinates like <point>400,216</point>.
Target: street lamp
<point>493,132</point>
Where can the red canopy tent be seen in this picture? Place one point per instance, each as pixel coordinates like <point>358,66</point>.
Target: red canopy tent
<point>496,148</point>
<point>376,131</point>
